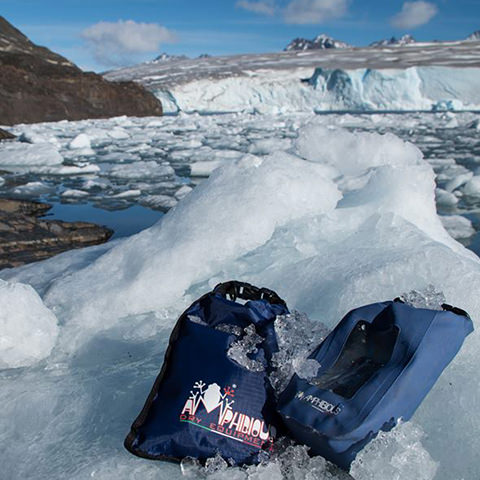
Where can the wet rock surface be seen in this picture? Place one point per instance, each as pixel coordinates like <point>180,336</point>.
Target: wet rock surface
<point>37,85</point>
<point>25,237</point>
<point>4,135</point>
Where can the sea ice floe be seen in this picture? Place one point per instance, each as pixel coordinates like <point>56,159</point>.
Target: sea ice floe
<point>458,226</point>
<point>26,155</point>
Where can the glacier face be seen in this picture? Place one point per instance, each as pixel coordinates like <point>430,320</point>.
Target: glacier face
<point>425,88</point>
<point>331,219</point>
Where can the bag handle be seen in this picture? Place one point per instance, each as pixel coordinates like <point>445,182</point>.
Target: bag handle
<point>235,289</point>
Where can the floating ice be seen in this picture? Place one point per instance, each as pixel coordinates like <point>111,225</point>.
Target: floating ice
<point>26,155</point>
<point>118,134</point>
<point>73,193</point>
<point>28,329</point>
<point>81,141</point>
<point>458,226</point>
<point>33,188</point>
<point>182,192</point>
<point>205,168</point>
<point>140,170</point>
<point>472,187</point>
<point>445,199</point>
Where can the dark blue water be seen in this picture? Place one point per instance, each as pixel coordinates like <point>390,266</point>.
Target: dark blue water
<point>123,222</point>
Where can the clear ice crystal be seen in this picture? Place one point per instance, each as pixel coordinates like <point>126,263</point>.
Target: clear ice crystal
<point>429,297</point>
<point>297,336</point>
<point>245,346</point>
<point>215,464</point>
<point>395,454</point>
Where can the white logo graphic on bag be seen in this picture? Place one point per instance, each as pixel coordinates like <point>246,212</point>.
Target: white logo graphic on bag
<point>319,404</point>
<point>212,409</point>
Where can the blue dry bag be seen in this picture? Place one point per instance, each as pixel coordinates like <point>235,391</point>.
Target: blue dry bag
<point>376,367</point>
<point>203,402</point>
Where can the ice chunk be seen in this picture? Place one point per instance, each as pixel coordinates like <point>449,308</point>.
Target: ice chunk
<point>458,181</point>
<point>297,336</point>
<point>81,141</point>
<point>182,192</point>
<point>458,226</point>
<point>429,297</point>
<point>27,155</point>
<point>472,187</point>
<point>241,349</point>
<point>140,170</point>
<point>215,465</point>
<point>352,154</point>
<point>396,454</point>
<point>128,194</point>
<point>188,248</point>
<point>73,193</point>
<point>269,145</point>
<point>28,328</point>
<point>444,198</point>
<point>33,188</point>
<point>159,201</point>
<point>118,134</point>
<point>204,169</point>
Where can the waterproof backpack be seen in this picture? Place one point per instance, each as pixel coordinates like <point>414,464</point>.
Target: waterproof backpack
<point>375,367</point>
<point>203,402</point>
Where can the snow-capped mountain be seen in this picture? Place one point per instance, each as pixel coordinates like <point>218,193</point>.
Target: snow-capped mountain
<point>165,57</point>
<point>404,40</point>
<point>320,42</point>
<point>474,37</point>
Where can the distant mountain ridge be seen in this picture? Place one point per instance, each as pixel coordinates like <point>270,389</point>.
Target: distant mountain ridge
<point>38,85</point>
<point>320,42</point>
<point>474,37</point>
<point>403,40</point>
<point>165,57</point>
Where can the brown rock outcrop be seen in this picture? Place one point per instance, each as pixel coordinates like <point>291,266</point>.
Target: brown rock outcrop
<point>25,238</point>
<point>38,85</point>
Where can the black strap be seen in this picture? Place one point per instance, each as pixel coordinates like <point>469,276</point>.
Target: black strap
<point>235,289</point>
<point>455,310</point>
<point>445,306</point>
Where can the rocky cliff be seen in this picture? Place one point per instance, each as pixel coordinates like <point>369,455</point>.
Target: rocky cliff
<point>38,85</point>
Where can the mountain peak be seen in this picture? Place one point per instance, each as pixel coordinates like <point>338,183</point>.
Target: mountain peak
<point>474,37</point>
<point>393,41</point>
<point>320,42</point>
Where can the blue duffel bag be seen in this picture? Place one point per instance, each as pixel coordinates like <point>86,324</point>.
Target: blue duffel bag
<point>203,402</point>
<point>376,367</point>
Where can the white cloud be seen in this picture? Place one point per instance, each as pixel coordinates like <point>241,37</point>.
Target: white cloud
<point>314,11</point>
<point>414,14</point>
<point>121,42</point>
<point>267,7</point>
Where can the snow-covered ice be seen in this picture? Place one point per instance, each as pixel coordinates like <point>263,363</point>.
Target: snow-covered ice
<point>28,328</point>
<point>337,218</point>
<point>17,154</point>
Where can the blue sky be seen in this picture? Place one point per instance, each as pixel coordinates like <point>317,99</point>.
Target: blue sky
<point>89,33</point>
